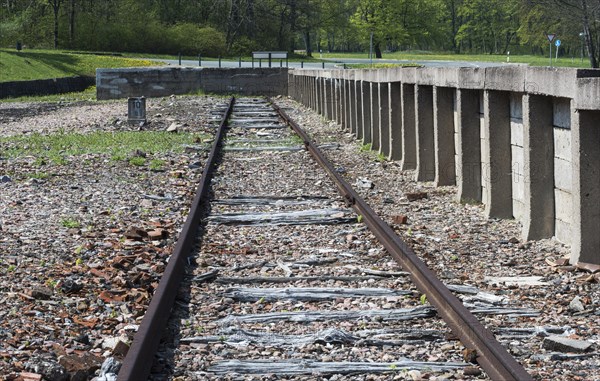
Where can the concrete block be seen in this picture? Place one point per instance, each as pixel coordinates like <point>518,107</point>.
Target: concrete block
<point>551,81</point>
<point>518,210</point>
<point>516,132</point>
<point>563,202</point>
<point>444,131</point>
<point>518,187</point>
<point>517,159</point>
<point>562,344</point>
<point>562,112</point>
<point>446,77</point>
<point>409,140</point>
<point>588,94</point>
<point>516,106</point>
<point>505,78</point>
<point>426,76</point>
<point>563,174</point>
<point>395,121</point>
<point>586,186</point>
<point>562,143</point>
<point>498,150</point>
<point>425,170</point>
<point>563,232</point>
<point>471,78</point>
<point>538,149</point>
<point>409,75</point>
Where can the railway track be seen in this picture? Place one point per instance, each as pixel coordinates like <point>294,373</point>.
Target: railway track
<point>278,276</point>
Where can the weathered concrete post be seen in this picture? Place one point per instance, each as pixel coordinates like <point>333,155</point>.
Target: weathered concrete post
<point>348,105</point>
<point>366,108</point>
<point>409,140</point>
<point>330,98</point>
<point>357,105</point>
<point>538,166</point>
<point>395,121</point>
<point>326,98</point>
<point>496,155</point>
<point>319,95</point>
<point>343,106</point>
<point>384,119</point>
<point>350,115</point>
<point>468,146</point>
<point>586,186</point>
<point>425,170</point>
<point>443,130</point>
<point>375,113</point>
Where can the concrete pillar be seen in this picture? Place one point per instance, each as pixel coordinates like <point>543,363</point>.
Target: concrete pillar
<point>320,96</point>
<point>329,99</point>
<point>538,165</point>
<point>468,146</point>
<point>425,170</point>
<point>357,106</point>
<point>395,121</point>
<point>334,99</point>
<point>496,155</point>
<point>409,140</point>
<point>315,90</point>
<point>342,104</point>
<point>347,106</point>
<point>366,112</point>
<point>585,245</point>
<point>351,107</point>
<point>384,119</point>
<point>375,113</point>
<point>338,101</point>
<point>443,131</point>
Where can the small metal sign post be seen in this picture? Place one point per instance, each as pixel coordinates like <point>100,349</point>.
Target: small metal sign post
<point>557,44</point>
<point>137,110</point>
<point>551,38</point>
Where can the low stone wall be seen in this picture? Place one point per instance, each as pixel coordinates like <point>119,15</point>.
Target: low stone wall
<point>523,141</point>
<point>158,82</point>
<point>45,86</point>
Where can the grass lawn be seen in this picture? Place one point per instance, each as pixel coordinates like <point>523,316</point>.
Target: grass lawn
<point>432,56</point>
<point>44,64</point>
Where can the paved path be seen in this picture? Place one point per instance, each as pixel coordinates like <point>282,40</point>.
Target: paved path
<point>330,64</point>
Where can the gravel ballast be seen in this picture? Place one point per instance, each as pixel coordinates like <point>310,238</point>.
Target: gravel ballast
<point>83,243</point>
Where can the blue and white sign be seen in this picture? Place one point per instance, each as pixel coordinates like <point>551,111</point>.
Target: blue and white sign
<point>557,43</point>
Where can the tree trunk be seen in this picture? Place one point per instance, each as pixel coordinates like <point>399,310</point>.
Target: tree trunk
<point>377,47</point>
<point>72,24</point>
<point>308,43</point>
<point>589,39</point>
<point>55,8</point>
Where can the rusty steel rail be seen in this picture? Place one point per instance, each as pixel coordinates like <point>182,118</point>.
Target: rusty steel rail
<point>491,355</point>
<point>138,362</point>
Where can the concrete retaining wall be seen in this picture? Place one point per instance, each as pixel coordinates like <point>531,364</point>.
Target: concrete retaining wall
<point>523,141</point>
<point>44,86</point>
<point>158,82</point>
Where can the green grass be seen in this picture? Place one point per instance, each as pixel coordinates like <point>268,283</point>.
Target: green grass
<point>119,146</point>
<point>44,64</point>
<point>441,56</point>
<point>380,65</point>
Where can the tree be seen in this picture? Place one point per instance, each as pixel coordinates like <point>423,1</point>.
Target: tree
<point>55,4</point>
<point>583,13</point>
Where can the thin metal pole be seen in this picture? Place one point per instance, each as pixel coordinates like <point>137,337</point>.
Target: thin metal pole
<point>371,50</point>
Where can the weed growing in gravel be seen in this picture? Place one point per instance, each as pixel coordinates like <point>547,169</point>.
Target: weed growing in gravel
<point>365,147</point>
<point>38,175</point>
<point>423,299</point>
<point>157,165</point>
<point>118,145</point>
<point>70,223</point>
<point>137,161</point>
<point>381,157</point>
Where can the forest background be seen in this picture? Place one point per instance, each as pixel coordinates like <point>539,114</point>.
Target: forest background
<point>238,27</point>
